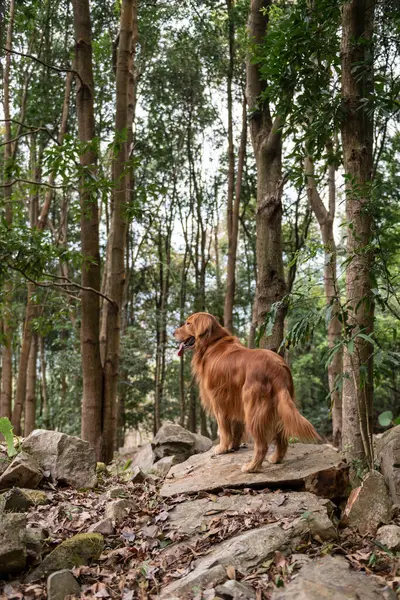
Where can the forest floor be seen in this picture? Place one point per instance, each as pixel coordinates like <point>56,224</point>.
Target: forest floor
<point>159,542</point>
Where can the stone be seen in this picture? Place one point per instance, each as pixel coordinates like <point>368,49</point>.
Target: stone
<point>244,553</point>
<point>331,578</point>
<point>388,455</point>
<point>68,459</point>
<point>369,505</point>
<point>144,458</point>
<point>389,536</point>
<point>174,440</point>
<point>163,466</point>
<point>24,471</point>
<point>61,584</point>
<point>35,537</point>
<point>105,527</point>
<point>14,500</point>
<point>118,510</point>
<point>77,551</point>
<point>195,516</point>
<point>117,492</point>
<point>12,543</point>
<point>4,460</point>
<point>136,475</point>
<point>315,468</point>
<point>37,497</point>
<point>235,590</point>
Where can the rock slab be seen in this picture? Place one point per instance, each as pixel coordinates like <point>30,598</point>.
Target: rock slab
<point>61,584</point>
<point>24,471</point>
<point>12,543</point>
<point>318,469</point>
<point>388,454</point>
<point>330,578</point>
<point>68,459</point>
<point>369,505</point>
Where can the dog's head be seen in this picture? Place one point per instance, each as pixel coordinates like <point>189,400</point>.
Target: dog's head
<point>198,331</point>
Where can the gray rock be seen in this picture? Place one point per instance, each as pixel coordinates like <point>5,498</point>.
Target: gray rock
<point>330,578</point>
<point>69,459</point>
<point>79,550</point>
<point>12,543</point>
<point>194,516</point>
<point>389,536</point>
<point>201,443</point>
<point>14,500</point>
<point>144,458</point>
<point>61,584</point>
<point>388,455</point>
<point>174,440</point>
<point>4,460</point>
<point>105,527</point>
<point>243,552</point>
<point>369,505</point>
<point>315,468</point>
<point>137,475</point>
<point>118,510</point>
<point>235,590</point>
<point>117,492</point>
<point>24,471</point>
<point>163,466</point>
<point>35,537</point>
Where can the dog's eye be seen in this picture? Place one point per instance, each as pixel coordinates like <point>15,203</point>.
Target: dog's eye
<point>188,324</point>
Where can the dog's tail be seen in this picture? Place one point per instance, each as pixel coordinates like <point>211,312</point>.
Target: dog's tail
<point>292,422</point>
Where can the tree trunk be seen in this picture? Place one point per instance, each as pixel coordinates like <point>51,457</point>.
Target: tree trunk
<point>325,220</point>
<point>6,367</point>
<point>267,145</point>
<point>90,350</point>
<point>43,384</point>
<point>357,139</point>
<point>117,238</point>
<point>233,230</point>
<point>30,402</point>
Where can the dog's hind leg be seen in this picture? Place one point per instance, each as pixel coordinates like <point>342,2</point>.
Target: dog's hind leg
<point>237,431</point>
<point>258,422</point>
<point>281,449</point>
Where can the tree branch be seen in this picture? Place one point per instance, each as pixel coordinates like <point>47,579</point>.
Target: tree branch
<point>35,58</point>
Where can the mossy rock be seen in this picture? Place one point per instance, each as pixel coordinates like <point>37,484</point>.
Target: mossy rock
<point>38,497</point>
<point>77,551</point>
<point>101,469</point>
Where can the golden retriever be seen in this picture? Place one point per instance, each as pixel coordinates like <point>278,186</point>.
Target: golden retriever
<point>243,388</point>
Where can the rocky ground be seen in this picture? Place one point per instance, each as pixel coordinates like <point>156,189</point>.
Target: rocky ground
<point>174,522</point>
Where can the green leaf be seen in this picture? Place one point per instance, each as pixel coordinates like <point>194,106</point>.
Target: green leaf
<point>385,418</point>
<point>8,431</point>
<point>397,421</point>
<point>350,347</point>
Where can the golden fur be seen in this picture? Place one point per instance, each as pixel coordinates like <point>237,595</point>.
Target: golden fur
<point>243,388</point>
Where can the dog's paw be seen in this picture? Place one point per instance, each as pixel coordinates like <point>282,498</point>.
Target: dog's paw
<point>273,459</point>
<point>250,468</point>
<point>220,450</point>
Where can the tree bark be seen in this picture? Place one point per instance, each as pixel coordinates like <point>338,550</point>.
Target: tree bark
<point>6,367</point>
<point>31,377</point>
<point>91,427</point>
<point>43,384</point>
<point>267,145</point>
<point>357,139</point>
<point>233,229</point>
<point>117,239</point>
<point>325,220</point>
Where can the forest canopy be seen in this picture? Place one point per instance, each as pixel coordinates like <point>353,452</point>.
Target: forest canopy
<point>238,157</point>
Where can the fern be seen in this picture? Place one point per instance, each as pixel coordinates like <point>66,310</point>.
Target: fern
<point>7,430</point>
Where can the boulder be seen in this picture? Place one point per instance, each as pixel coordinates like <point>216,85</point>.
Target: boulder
<point>14,500</point>
<point>332,579</point>
<point>244,553</point>
<point>388,455</point>
<point>61,584</point>
<point>117,492</point>
<point>369,505</point>
<point>118,510</point>
<point>144,458</point>
<point>4,460</point>
<point>77,551</point>
<point>389,536</point>
<point>315,468</point>
<point>105,527</point>
<point>24,471</point>
<point>163,466</point>
<point>235,590</point>
<point>68,459</point>
<point>136,475</point>
<point>12,543</point>
<point>37,497</point>
<point>174,440</point>
<point>35,537</point>
<point>195,516</point>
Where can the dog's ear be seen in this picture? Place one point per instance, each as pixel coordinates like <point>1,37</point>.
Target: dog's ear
<point>204,326</point>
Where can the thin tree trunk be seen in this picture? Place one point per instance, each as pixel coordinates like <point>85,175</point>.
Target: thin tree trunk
<point>90,349</point>
<point>357,139</point>
<point>267,145</point>
<point>117,239</point>
<point>6,370</point>
<point>43,384</point>
<point>30,403</point>
<point>325,220</point>
<point>234,229</point>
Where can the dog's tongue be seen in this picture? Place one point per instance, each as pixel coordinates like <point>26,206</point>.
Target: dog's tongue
<point>181,349</point>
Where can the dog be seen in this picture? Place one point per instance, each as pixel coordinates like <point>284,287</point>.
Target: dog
<point>244,389</point>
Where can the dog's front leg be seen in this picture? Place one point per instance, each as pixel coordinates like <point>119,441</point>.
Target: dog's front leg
<point>225,435</point>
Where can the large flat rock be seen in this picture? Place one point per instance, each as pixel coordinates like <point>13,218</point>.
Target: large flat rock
<point>315,468</point>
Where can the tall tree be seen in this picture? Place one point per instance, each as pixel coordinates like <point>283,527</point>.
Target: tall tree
<point>267,144</point>
<point>357,139</point>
